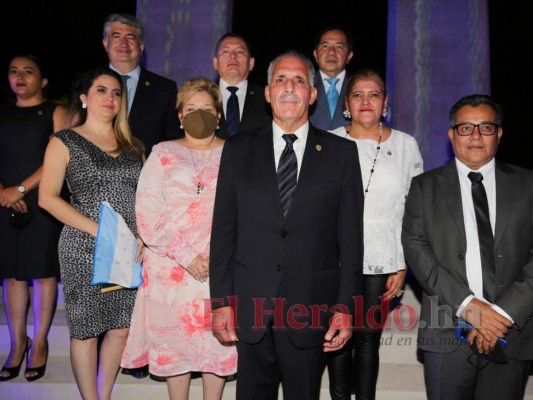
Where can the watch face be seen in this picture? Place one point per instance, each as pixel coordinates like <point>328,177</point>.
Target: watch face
<point>21,189</point>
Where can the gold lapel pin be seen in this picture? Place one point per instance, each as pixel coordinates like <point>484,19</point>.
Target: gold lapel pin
<point>318,147</point>
<point>147,83</point>
<point>389,153</point>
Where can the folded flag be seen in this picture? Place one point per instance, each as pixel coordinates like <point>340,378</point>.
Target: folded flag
<point>114,251</point>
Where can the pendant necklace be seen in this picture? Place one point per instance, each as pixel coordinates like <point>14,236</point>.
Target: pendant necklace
<point>199,175</point>
<point>380,135</point>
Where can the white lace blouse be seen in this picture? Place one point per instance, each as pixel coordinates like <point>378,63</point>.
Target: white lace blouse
<point>398,161</point>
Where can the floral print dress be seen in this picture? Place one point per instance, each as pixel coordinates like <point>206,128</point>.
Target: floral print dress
<point>170,328</point>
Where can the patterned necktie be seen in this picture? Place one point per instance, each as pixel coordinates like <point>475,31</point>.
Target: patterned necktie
<point>484,230</point>
<point>232,111</point>
<point>332,95</point>
<point>287,172</point>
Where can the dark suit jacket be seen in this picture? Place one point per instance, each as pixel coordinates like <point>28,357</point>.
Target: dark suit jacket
<point>434,242</point>
<point>311,257</point>
<point>319,114</point>
<point>153,117</point>
<point>256,112</point>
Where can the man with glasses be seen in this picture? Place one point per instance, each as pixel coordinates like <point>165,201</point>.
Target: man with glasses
<point>243,101</point>
<point>468,238</point>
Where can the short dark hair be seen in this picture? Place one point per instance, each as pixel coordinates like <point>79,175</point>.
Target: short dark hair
<point>236,36</point>
<point>333,27</point>
<point>475,100</point>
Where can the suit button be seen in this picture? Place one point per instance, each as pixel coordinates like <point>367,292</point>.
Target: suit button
<point>278,268</point>
<point>461,257</point>
<point>284,235</point>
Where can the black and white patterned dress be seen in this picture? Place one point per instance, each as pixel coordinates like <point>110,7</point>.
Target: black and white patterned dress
<point>93,176</point>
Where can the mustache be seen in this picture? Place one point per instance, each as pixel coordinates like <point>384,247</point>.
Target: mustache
<point>289,97</point>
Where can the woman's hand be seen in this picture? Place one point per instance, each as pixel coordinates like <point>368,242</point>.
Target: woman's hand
<point>10,196</point>
<point>394,285</point>
<point>20,207</point>
<point>199,268</point>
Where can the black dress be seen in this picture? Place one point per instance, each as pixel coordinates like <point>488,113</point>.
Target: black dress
<point>93,176</point>
<point>31,252</point>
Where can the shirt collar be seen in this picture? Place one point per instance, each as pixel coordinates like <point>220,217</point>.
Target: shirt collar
<point>340,76</point>
<point>485,170</point>
<point>133,74</point>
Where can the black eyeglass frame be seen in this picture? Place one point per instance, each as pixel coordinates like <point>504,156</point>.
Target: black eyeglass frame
<point>478,126</point>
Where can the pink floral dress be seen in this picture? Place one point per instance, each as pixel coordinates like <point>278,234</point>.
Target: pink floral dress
<point>171,325</point>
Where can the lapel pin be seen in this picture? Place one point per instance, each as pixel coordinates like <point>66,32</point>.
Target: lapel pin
<point>389,153</point>
<point>252,92</point>
<point>147,83</point>
<point>318,147</point>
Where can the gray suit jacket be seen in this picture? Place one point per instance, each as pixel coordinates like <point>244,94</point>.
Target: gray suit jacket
<point>434,242</point>
<point>319,114</point>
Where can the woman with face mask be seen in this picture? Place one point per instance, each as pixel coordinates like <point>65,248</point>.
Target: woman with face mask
<point>174,208</point>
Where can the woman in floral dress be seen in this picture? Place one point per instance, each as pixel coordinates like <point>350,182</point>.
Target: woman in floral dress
<point>170,328</point>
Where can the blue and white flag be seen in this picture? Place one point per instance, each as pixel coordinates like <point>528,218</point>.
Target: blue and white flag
<point>114,251</point>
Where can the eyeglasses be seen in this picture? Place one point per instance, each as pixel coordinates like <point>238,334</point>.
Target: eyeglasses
<point>485,128</point>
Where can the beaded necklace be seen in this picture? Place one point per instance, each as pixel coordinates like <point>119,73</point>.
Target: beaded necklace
<point>380,135</point>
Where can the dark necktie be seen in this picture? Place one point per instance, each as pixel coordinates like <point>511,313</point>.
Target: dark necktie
<point>484,230</point>
<point>287,172</point>
<point>232,111</point>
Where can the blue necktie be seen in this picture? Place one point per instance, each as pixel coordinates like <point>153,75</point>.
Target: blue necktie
<point>484,230</point>
<point>332,94</point>
<point>233,117</point>
<point>287,172</point>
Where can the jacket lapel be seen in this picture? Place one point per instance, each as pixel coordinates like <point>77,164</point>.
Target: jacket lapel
<point>505,192</point>
<point>451,192</point>
<point>263,147</point>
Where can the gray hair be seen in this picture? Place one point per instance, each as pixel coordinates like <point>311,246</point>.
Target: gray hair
<point>126,19</point>
<point>292,53</point>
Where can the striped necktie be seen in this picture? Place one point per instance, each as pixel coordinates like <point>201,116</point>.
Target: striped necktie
<point>287,172</point>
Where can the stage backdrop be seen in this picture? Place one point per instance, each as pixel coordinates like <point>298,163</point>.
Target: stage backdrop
<point>437,52</point>
<point>181,35</point>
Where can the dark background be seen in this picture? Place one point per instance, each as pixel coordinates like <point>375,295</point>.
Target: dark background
<point>69,41</point>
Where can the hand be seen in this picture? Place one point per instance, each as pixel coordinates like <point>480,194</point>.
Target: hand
<point>199,268</point>
<point>10,196</point>
<point>139,254</point>
<point>339,332</point>
<point>223,325</point>
<point>483,346</point>
<point>490,324</point>
<point>394,285</point>
<point>20,206</point>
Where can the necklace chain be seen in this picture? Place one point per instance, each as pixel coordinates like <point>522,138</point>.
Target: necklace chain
<point>380,135</point>
<point>199,175</point>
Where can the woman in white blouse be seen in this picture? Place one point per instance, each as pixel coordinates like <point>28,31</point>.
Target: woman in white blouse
<point>389,159</point>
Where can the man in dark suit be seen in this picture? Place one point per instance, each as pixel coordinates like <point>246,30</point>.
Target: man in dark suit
<point>472,266</point>
<point>151,97</point>
<point>333,50</point>
<point>287,267</point>
<point>233,61</point>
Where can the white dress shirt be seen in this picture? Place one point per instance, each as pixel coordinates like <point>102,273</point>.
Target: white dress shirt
<point>298,145</point>
<point>474,272</point>
<point>241,94</point>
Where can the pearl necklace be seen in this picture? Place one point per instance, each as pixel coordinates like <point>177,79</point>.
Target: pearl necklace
<point>380,135</point>
<point>199,175</point>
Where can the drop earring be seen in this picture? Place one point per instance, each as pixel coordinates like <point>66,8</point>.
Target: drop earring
<point>385,111</point>
<point>83,105</point>
<point>347,114</point>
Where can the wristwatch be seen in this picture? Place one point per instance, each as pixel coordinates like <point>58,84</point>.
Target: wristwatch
<point>22,189</point>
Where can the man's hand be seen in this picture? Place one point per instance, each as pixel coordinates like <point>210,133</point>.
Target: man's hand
<point>490,325</point>
<point>223,325</point>
<point>340,330</point>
